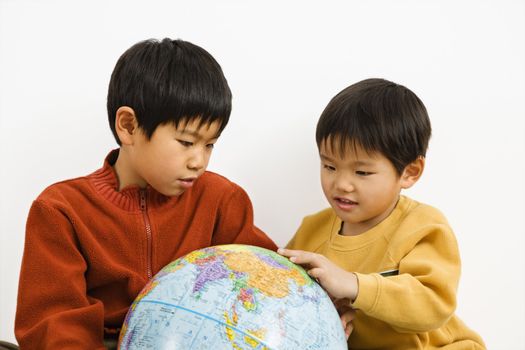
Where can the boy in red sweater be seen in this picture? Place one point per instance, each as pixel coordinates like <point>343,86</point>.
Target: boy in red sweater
<point>93,242</point>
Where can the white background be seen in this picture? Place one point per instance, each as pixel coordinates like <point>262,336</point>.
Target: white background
<point>284,60</point>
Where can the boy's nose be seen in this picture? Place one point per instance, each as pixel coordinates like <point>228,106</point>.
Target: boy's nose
<point>344,185</point>
<point>197,161</point>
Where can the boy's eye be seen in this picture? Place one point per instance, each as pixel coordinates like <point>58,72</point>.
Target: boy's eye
<point>185,143</point>
<point>328,167</point>
<point>210,145</point>
<point>363,173</point>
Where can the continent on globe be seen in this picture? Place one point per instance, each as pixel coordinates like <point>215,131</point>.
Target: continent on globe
<point>232,297</point>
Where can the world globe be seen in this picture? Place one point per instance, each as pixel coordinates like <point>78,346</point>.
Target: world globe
<point>232,297</point>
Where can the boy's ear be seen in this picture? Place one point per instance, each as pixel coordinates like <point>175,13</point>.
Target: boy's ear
<point>126,124</point>
<point>412,172</point>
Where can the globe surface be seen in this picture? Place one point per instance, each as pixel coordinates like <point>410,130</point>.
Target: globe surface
<point>232,297</point>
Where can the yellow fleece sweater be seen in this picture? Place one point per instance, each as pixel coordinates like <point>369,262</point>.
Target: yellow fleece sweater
<point>408,268</point>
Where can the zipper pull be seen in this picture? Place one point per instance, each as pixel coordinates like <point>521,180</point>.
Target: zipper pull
<point>143,200</point>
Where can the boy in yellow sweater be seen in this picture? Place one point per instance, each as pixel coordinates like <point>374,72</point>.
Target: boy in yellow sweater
<point>394,260</point>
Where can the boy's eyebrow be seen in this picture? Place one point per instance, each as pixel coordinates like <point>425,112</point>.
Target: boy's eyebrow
<point>196,134</point>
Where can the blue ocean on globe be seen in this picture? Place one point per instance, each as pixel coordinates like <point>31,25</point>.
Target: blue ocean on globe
<point>232,297</point>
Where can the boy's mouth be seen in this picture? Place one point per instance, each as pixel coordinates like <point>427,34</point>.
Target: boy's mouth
<point>345,203</point>
<point>187,182</point>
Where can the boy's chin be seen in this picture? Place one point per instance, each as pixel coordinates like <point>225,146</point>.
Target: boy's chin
<point>173,192</point>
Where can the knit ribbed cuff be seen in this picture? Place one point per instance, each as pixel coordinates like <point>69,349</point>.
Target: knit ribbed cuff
<point>369,287</point>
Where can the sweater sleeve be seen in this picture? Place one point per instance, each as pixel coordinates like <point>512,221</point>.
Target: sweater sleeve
<point>235,222</point>
<point>53,309</point>
<point>423,296</point>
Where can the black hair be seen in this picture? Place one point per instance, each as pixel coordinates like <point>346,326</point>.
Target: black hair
<point>168,81</point>
<point>378,116</point>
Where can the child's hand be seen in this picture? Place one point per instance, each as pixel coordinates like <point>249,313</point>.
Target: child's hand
<point>346,313</point>
<point>336,281</point>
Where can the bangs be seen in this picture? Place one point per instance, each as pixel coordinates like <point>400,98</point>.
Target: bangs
<point>169,81</point>
<point>376,115</point>
<point>341,146</point>
<point>348,127</point>
<point>181,87</point>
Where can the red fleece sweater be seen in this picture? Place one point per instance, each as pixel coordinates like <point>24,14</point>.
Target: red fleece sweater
<point>90,249</point>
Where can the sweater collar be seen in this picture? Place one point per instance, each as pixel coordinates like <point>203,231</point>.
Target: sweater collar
<point>105,182</point>
<point>382,229</point>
